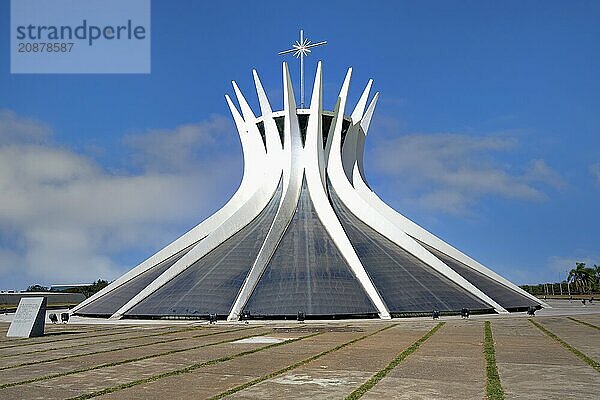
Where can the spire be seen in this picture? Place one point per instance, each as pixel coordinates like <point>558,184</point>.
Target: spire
<point>265,107</point>
<point>357,114</point>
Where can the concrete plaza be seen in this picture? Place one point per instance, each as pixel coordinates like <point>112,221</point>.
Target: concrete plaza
<point>315,359</point>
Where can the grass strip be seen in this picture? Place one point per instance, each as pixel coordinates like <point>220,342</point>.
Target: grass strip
<point>116,363</point>
<point>119,332</point>
<point>368,385</point>
<point>589,361</point>
<point>186,370</point>
<point>125,347</point>
<point>170,332</point>
<point>493,386</point>
<point>295,365</point>
<point>51,332</point>
<point>584,323</point>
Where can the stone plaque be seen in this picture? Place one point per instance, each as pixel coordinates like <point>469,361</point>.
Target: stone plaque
<point>29,319</point>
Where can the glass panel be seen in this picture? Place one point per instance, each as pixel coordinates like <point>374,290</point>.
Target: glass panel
<point>303,125</point>
<point>261,128</point>
<point>108,304</point>
<point>406,284</point>
<point>327,120</point>
<point>280,122</point>
<point>501,294</point>
<point>345,126</point>
<point>307,273</point>
<point>211,284</point>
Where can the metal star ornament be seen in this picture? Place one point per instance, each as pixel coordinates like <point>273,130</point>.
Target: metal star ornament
<point>300,49</point>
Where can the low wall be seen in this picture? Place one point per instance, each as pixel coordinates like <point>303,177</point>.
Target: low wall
<point>9,300</point>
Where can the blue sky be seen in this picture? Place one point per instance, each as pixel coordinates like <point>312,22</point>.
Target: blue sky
<point>486,132</point>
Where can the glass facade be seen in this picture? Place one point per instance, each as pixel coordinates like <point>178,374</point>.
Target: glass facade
<point>211,284</point>
<point>307,273</point>
<point>406,284</point>
<point>327,120</point>
<point>261,129</point>
<point>280,121</point>
<point>108,304</point>
<point>506,297</point>
<point>303,125</point>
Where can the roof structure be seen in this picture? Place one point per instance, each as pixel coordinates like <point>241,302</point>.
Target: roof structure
<point>305,233</point>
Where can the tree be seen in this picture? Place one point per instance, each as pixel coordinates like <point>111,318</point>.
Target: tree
<point>89,289</point>
<point>98,286</point>
<point>37,288</point>
<point>582,277</point>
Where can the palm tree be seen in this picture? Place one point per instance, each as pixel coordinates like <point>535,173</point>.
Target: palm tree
<point>582,277</point>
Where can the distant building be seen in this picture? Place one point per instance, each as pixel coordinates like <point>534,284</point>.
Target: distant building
<point>65,286</point>
<point>10,300</point>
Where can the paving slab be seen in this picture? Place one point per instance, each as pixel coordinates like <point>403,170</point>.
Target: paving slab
<point>54,367</point>
<point>100,344</point>
<point>449,365</point>
<point>53,347</point>
<point>89,381</point>
<point>593,319</point>
<point>533,366</point>
<point>336,375</point>
<point>58,333</point>
<point>422,389</point>
<point>202,383</point>
<point>527,381</point>
<point>81,337</point>
<point>582,337</point>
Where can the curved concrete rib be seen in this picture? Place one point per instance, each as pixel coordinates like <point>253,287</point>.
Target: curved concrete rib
<point>421,234</point>
<point>318,193</point>
<point>293,172</point>
<point>250,210</point>
<point>408,226</point>
<point>362,210</point>
<point>274,145</point>
<point>365,121</point>
<point>265,187</point>
<point>254,170</point>
<point>350,144</point>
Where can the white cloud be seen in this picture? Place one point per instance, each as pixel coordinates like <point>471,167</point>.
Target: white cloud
<point>15,129</point>
<point>178,149</point>
<point>450,172</point>
<point>595,171</point>
<point>563,264</point>
<point>448,201</point>
<point>64,218</point>
<point>552,269</point>
<point>539,171</point>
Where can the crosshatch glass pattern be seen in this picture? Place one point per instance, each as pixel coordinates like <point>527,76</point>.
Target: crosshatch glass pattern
<point>108,304</point>
<point>307,273</point>
<point>211,284</point>
<point>506,297</point>
<point>406,284</point>
<point>261,128</point>
<point>327,120</point>
<point>303,125</point>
